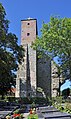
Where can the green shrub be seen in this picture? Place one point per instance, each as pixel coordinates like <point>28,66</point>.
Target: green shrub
<point>33,116</point>
<point>40,100</point>
<point>61,105</point>
<point>36,100</point>
<point>16,111</point>
<point>68,108</point>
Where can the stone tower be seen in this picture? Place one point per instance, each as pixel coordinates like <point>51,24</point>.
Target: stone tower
<point>26,75</point>
<point>35,75</point>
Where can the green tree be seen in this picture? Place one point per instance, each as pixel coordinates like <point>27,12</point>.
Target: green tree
<point>56,41</point>
<point>10,54</point>
<point>66,92</point>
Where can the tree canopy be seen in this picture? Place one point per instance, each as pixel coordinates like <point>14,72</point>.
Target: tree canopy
<point>56,40</point>
<point>10,54</point>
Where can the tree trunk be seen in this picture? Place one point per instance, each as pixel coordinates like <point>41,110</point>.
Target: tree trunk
<point>59,83</point>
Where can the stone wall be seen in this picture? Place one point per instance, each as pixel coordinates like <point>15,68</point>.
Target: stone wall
<point>26,75</point>
<point>44,75</point>
<point>54,80</point>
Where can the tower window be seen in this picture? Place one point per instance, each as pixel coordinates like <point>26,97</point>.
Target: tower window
<point>28,23</point>
<point>28,34</point>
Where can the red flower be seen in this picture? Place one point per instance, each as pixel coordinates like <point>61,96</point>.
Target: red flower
<point>31,111</point>
<point>16,115</point>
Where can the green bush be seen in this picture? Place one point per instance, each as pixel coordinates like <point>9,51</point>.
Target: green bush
<point>33,116</point>
<point>40,100</point>
<point>16,111</point>
<point>36,100</point>
<point>61,105</point>
<point>68,108</point>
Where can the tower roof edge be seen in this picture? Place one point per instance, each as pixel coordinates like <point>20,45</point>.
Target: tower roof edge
<point>28,19</point>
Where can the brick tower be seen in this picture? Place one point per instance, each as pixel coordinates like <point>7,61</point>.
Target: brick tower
<point>26,75</point>
<point>34,74</point>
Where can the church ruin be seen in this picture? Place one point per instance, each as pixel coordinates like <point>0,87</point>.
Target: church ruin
<point>35,77</point>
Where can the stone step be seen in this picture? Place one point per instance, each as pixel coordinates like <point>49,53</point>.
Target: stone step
<point>61,118</point>
<point>56,115</point>
<point>53,113</point>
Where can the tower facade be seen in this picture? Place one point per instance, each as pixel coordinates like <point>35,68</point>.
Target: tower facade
<point>35,76</point>
<point>26,75</point>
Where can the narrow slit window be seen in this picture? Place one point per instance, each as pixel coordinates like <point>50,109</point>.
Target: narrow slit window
<point>28,34</point>
<point>28,23</point>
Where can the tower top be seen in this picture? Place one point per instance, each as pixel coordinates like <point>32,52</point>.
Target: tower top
<point>28,19</point>
<point>28,30</point>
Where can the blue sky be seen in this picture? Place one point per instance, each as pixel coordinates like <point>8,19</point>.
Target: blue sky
<point>66,85</point>
<point>42,10</point>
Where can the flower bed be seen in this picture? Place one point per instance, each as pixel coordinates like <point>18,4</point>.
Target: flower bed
<point>32,114</point>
